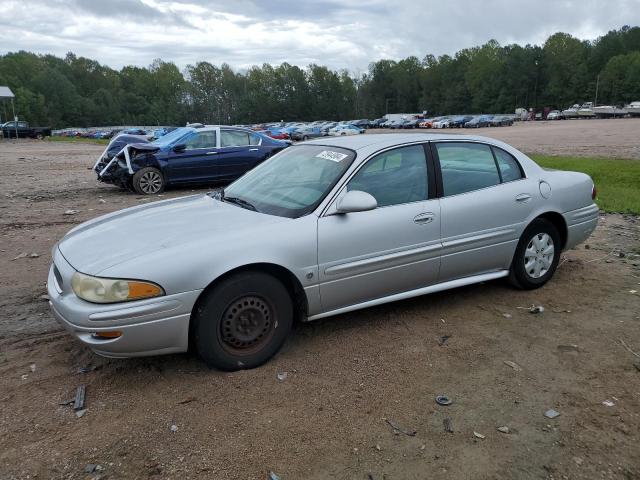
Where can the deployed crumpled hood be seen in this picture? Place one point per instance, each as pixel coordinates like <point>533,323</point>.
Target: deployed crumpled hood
<point>120,236</point>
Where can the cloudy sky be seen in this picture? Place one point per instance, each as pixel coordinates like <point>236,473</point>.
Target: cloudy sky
<point>338,33</point>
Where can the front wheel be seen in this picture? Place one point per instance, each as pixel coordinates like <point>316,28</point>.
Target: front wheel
<point>537,255</point>
<point>148,181</point>
<point>243,321</point>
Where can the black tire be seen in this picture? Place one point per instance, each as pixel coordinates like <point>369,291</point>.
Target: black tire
<point>305,138</point>
<point>525,278</point>
<point>148,181</point>
<point>243,321</point>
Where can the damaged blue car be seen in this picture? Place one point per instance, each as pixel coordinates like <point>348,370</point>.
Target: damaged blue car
<point>186,156</point>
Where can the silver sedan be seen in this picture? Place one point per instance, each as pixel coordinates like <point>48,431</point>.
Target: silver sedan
<point>322,228</point>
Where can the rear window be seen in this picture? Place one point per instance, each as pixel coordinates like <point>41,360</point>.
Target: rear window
<point>466,167</point>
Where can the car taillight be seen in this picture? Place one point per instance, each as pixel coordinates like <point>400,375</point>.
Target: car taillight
<point>594,192</point>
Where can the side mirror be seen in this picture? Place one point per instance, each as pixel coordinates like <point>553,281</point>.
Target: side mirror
<point>356,201</point>
<point>181,147</point>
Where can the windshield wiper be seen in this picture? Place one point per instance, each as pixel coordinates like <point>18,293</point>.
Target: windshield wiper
<point>237,201</point>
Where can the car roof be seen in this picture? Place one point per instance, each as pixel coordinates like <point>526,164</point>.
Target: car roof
<point>384,140</point>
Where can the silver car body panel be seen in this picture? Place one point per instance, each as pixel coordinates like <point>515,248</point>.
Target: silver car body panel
<point>341,262</point>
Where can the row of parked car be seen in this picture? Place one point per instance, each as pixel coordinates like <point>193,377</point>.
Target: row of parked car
<point>319,128</point>
<point>111,133</point>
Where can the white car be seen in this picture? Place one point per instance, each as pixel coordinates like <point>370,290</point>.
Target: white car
<point>342,130</point>
<point>442,123</point>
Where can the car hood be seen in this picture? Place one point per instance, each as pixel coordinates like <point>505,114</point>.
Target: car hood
<point>106,241</point>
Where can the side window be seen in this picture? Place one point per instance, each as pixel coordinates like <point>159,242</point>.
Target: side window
<point>509,167</point>
<point>466,167</point>
<point>254,139</point>
<point>394,177</point>
<point>233,138</point>
<point>201,140</point>
<point>22,125</point>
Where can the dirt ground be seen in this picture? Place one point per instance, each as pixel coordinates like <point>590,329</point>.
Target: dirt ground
<point>613,138</point>
<point>347,376</point>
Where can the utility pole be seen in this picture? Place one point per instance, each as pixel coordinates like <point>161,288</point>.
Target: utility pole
<point>595,102</point>
<point>386,100</point>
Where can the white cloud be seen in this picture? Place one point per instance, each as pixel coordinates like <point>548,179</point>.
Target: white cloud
<point>336,33</point>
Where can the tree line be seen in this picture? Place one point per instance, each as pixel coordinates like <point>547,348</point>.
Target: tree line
<point>80,92</point>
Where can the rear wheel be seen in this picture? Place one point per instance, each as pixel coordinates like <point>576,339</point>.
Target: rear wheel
<point>305,138</point>
<point>242,322</point>
<point>148,181</point>
<point>537,255</point>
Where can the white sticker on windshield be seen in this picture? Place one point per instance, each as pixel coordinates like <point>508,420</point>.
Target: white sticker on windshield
<point>333,156</point>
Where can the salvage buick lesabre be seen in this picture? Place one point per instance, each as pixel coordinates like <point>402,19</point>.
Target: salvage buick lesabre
<point>321,228</point>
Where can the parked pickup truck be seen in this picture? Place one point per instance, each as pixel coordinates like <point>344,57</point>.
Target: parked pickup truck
<point>23,130</point>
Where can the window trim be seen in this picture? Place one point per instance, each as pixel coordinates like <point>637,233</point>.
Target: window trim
<point>436,158</point>
<point>431,193</point>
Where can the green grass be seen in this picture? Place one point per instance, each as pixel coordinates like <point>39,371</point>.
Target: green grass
<point>617,181</point>
<point>97,141</point>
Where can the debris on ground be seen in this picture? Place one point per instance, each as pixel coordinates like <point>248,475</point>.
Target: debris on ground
<point>273,476</point>
<point>25,255</point>
<point>397,429</point>
<point>282,376</point>
<point>551,413</point>
<point>443,400</point>
<point>24,376</point>
<point>443,339</point>
<point>80,413</point>
<point>187,400</point>
<point>536,309</point>
<point>568,348</point>
<point>513,365</point>
<point>87,369</point>
<point>609,403</point>
<point>448,425</point>
<point>506,315</point>
<point>633,291</point>
<point>628,348</point>
<point>90,468</point>
<point>44,297</point>
<point>78,403</point>
<point>70,212</point>
<point>173,428</point>
<point>102,200</point>
<point>478,435</point>
<point>32,367</point>
<point>503,429</point>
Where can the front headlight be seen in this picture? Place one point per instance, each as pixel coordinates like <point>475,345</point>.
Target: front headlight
<point>112,290</point>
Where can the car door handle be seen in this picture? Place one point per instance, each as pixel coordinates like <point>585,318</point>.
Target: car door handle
<point>212,153</point>
<point>424,218</point>
<point>523,198</point>
<point>253,149</point>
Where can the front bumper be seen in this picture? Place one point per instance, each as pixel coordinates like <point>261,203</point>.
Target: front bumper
<point>149,327</point>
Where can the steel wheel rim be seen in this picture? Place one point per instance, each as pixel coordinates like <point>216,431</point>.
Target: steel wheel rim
<point>150,182</point>
<point>539,255</point>
<point>248,324</point>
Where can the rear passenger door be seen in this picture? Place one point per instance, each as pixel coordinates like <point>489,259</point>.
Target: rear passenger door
<point>239,152</point>
<point>485,202</point>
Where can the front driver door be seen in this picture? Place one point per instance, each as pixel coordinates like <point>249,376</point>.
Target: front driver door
<point>391,249</point>
<point>197,161</point>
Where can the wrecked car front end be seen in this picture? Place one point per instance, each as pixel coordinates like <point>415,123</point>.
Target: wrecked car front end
<point>120,160</point>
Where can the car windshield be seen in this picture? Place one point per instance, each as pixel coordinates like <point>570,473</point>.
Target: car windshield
<point>293,182</point>
<point>171,137</point>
